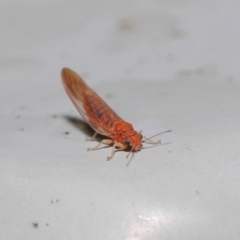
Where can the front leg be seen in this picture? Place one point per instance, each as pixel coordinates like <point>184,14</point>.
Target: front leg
<point>118,145</point>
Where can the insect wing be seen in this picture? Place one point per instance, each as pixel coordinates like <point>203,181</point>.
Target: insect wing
<point>92,108</point>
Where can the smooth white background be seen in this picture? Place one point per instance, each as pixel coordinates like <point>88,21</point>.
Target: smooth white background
<point>160,65</point>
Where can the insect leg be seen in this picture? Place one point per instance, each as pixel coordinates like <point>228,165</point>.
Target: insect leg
<point>112,153</point>
<point>104,141</point>
<point>91,138</point>
<point>148,140</point>
<point>116,144</point>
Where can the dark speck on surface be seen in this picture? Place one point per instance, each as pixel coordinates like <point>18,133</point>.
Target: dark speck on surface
<point>56,201</point>
<point>109,95</point>
<point>125,24</point>
<point>35,224</point>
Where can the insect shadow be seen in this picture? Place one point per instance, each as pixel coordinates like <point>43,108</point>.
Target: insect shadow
<point>83,127</point>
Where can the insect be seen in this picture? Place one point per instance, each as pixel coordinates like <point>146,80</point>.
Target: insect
<point>120,134</point>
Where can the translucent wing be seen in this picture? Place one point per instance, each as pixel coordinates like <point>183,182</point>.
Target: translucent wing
<point>92,108</point>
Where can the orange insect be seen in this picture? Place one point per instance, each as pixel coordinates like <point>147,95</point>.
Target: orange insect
<point>101,117</point>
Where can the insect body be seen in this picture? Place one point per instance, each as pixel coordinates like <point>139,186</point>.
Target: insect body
<point>101,117</point>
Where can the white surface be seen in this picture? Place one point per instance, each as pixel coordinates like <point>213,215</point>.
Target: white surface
<point>161,65</point>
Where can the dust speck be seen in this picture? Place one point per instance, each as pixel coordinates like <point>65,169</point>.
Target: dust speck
<point>54,201</point>
<point>125,24</point>
<point>109,95</point>
<point>35,225</point>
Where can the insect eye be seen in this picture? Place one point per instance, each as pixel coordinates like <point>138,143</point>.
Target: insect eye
<point>126,141</point>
